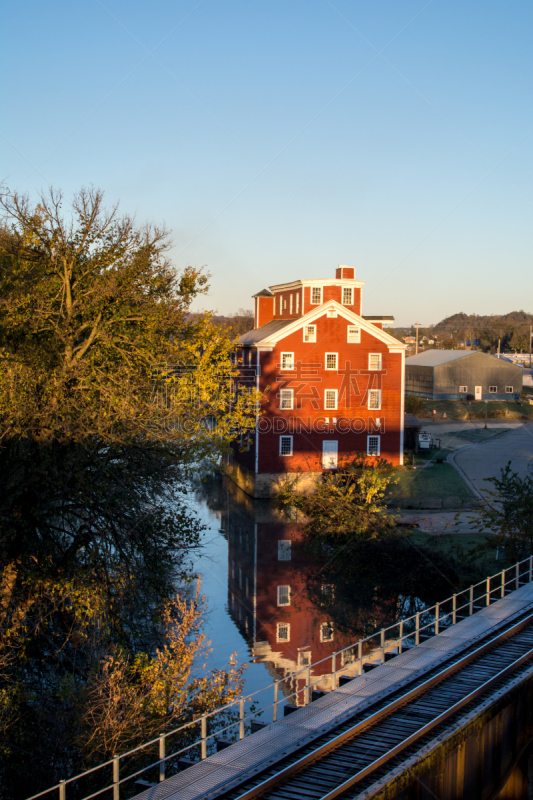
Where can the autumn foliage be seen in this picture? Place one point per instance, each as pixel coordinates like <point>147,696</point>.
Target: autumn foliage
<point>111,393</point>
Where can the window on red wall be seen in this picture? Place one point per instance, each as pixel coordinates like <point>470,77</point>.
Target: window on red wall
<point>331,360</point>
<point>285,445</point>
<point>316,295</point>
<point>283,632</point>
<point>347,297</point>
<point>330,399</point>
<point>373,445</point>
<point>286,399</point>
<point>354,334</point>
<point>374,399</point>
<point>287,361</point>
<point>374,361</point>
<point>309,333</point>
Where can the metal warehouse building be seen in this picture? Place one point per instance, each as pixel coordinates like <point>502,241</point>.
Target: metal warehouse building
<point>453,374</point>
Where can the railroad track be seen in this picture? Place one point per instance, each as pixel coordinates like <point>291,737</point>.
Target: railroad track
<point>355,754</point>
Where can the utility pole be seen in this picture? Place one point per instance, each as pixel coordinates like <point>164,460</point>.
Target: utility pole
<point>499,340</point>
<point>417,324</point>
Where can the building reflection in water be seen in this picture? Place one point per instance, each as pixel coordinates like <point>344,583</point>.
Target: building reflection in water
<point>289,618</point>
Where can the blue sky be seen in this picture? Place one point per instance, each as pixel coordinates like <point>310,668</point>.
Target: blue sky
<point>279,139</point>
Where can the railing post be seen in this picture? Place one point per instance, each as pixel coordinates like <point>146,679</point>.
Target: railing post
<point>162,754</point>
<point>382,645</point>
<point>116,778</point>
<point>530,569</point>
<point>417,629</point>
<point>307,693</point>
<point>241,718</point>
<point>62,790</point>
<point>454,609</point>
<point>334,669</point>
<point>488,592</point>
<point>360,656</point>
<point>203,724</point>
<point>275,706</point>
<point>517,581</point>
<point>400,646</point>
<point>437,619</point>
<point>471,600</point>
<point>503,583</point>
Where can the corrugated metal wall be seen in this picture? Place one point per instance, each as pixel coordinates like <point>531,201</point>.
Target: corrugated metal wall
<point>444,381</point>
<point>419,381</point>
<point>477,370</point>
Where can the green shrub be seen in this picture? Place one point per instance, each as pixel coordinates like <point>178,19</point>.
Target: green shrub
<point>414,404</point>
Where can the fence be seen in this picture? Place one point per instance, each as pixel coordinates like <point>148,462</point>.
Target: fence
<point>234,722</point>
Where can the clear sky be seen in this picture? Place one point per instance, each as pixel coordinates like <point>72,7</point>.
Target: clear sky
<point>279,139</point>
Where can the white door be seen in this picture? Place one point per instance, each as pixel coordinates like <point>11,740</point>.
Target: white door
<point>329,455</point>
<point>479,392</point>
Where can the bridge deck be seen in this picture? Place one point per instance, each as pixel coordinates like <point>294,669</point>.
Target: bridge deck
<point>244,759</point>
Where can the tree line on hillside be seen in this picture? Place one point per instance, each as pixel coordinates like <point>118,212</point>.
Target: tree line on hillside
<point>511,332</point>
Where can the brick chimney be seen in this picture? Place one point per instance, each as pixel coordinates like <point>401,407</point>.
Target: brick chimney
<point>264,308</point>
<point>344,271</point>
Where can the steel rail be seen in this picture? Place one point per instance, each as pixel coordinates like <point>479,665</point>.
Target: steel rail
<point>429,726</point>
<point>370,721</point>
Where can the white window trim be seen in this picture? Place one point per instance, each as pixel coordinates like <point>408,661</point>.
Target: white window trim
<point>376,369</point>
<point>285,455</point>
<point>373,455</point>
<point>284,550</point>
<point>509,390</point>
<point>291,395</point>
<point>378,407</point>
<point>348,656</point>
<point>336,367</point>
<point>286,369</point>
<point>358,339</point>
<point>313,290</point>
<point>463,389</point>
<point>284,586</point>
<point>330,627</point>
<point>297,302</point>
<point>326,407</point>
<point>286,625</point>
<point>493,390</point>
<point>309,341</point>
<point>347,289</point>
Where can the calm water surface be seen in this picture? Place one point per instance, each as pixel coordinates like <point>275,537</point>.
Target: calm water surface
<point>276,608</point>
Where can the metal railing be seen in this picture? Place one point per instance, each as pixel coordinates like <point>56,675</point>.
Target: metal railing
<point>233,721</point>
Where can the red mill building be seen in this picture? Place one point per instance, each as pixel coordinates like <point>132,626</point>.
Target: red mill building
<point>332,381</point>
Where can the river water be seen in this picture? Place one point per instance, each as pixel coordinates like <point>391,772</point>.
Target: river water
<point>279,609</point>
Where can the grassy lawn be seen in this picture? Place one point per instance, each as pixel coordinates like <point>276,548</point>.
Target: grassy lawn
<point>436,483</point>
<point>459,409</point>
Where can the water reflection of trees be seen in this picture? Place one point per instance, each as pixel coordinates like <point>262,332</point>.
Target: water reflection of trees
<point>368,586</point>
<point>295,607</point>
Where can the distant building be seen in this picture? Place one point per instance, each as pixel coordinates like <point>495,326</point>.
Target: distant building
<point>454,374</point>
